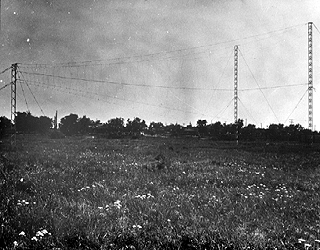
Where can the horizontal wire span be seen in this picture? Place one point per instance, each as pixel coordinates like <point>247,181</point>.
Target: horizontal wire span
<point>95,94</point>
<point>162,53</point>
<point>124,83</point>
<point>118,62</point>
<point>156,86</point>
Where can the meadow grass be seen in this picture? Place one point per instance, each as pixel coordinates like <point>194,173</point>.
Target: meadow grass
<point>158,193</point>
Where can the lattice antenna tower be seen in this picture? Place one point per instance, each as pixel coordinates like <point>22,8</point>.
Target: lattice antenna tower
<point>235,70</point>
<point>14,68</point>
<point>310,77</point>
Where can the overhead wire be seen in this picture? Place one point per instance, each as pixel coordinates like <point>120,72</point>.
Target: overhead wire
<point>26,82</point>
<point>165,53</point>
<point>69,91</point>
<point>198,111</point>
<point>259,87</point>
<point>5,70</point>
<point>247,111</point>
<point>273,87</point>
<point>316,28</point>
<point>221,112</point>
<point>37,83</point>
<point>296,106</point>
<point>23,93</point>
<point>6,85</point>
<point>124,83</point>
<point>169,57</point>
<point>225,67</point>
<point>182,49</point>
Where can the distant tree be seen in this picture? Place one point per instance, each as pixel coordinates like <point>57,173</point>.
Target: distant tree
<point>21,121</point>
<point>84,124</point>
<point>275,132</point>
<point>216,130</point>
<point>231,130</point>
<point>97,123</point>
<point>156,128</point>
<point>292,132</point>
<point>27,123</point>
<point>174,129</point>
<point>5,125</point>
<point>68,124</point>
<point>202,127</point>
<point>136,126</point>
<point>248,133</point>
<point>239,123</point>
<point>115,128</point>
<point>44,124</point>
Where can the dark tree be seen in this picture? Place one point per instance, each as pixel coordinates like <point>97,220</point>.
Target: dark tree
<point>115,128</point>
<point>5,125</point>
<point>22,121</point>
<point>84,124</point>
<point>202,127</point>
<point>275,132</point>
<point>68,124</point>
<point>27,123</point>
<point>156,128</point>
<point>292,132</point>
<point>135,127</point>
<point>249,133</point>
<point>44,124</point>
<point>215,130</point>
<point>174,129</point>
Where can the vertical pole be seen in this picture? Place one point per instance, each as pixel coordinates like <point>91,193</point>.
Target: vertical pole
<point>310,78</point>
<point>56,120</point>
<point>235,98</point>
<point>0,16</point>
<point>13,104</point>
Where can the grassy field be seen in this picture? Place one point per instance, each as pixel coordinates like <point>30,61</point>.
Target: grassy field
<point>158,193</point>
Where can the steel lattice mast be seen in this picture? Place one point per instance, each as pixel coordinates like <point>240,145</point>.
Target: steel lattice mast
<point>310,77</point>
<point>13,103</point>
<point>235,97</point>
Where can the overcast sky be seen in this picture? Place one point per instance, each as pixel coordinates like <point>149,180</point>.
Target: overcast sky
<point>181,50</point>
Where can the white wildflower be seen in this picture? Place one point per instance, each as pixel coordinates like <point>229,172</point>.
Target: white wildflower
<point>44,231</point>
<point>39,234</point>
<point>117,204</point>
<point>137,226</point>
<point>307,245</point>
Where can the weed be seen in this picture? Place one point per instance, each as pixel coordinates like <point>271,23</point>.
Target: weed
<point>157,193</point>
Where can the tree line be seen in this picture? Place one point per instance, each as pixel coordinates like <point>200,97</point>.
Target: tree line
<point>72,124</point>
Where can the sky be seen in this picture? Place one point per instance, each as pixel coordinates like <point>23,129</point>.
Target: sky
<point>161,60</point>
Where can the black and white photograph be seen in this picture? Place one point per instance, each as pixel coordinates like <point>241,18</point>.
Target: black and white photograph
<point>159,124</point>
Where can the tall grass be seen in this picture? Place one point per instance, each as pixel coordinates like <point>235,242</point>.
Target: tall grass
<point>157,193</point>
